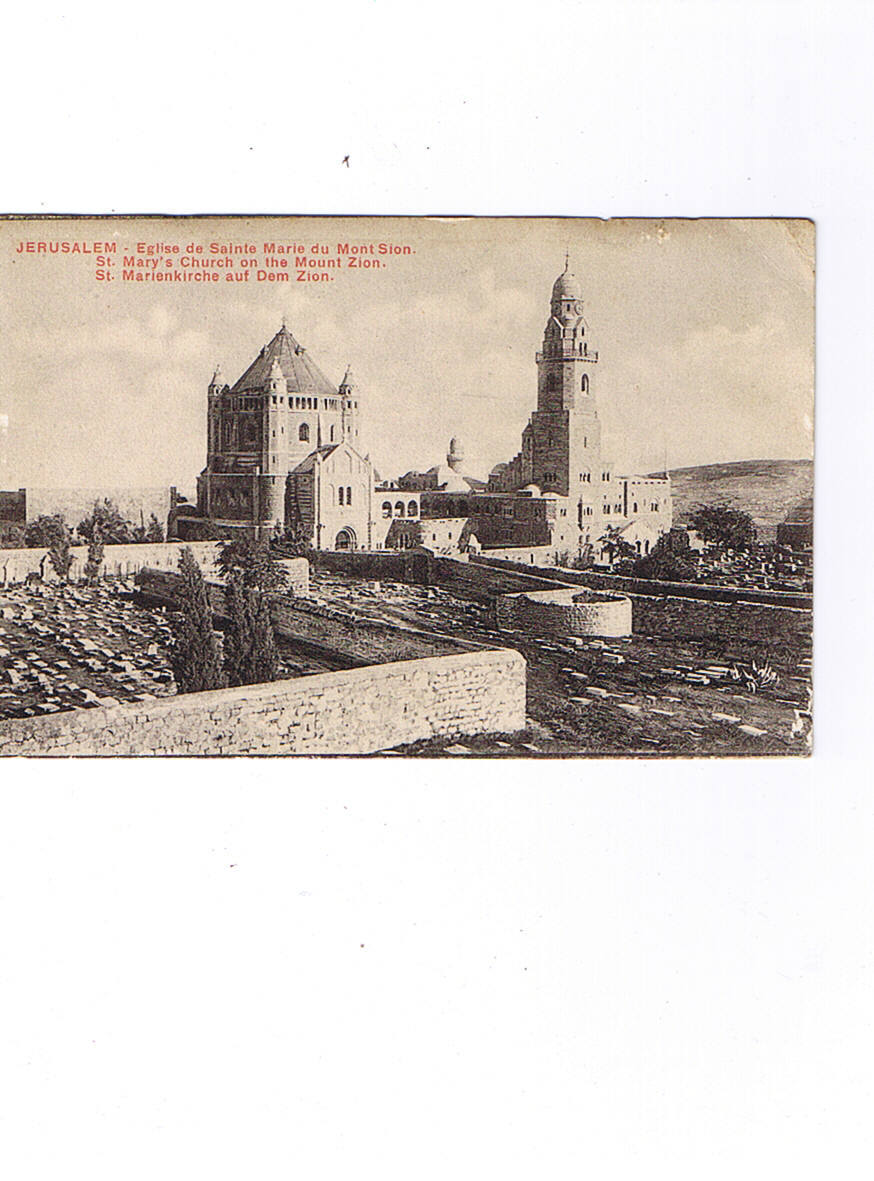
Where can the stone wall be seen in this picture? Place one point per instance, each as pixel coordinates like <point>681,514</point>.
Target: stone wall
<point>566,611</point>
<point>625,584</point>
<point>750,628</point>
<point>356,711</point>
<point>718,613</point>
<point>123,561</point>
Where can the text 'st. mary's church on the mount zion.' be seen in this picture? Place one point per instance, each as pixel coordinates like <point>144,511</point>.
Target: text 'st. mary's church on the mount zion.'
<point>284,453</point>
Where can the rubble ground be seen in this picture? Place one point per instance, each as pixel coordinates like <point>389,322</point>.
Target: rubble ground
<point>72,646</point>
<point>641,695</point>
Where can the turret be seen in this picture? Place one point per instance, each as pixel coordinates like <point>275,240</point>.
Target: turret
<point>348,391</point>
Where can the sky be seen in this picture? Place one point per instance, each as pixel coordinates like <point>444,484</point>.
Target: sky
<point>704,330</point>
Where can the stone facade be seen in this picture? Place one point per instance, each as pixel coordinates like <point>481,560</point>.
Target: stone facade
<point>562,461</point>
<point>283,453</point>
<point>355,711</point>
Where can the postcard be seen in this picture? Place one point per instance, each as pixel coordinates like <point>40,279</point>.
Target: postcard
<point>445,487</point>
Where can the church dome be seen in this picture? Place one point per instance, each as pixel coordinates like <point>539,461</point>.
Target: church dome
<point>567,286</point>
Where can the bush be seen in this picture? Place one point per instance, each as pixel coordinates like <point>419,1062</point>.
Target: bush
<point>663,564</point>
<point>45,532</point>
<point>12,536</point>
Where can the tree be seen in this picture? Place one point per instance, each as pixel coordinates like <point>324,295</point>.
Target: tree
<point>95,556</point>
<point>616,546</point>
<point>114,529</point>
<point>725,527</point>
<point>12,536</point>
<point>61,556</point>
<point>195,657</point>
<point>663,564</point>
<point>250,644</point>
<point>154,531</point>
<point>46,531</point>
<point>238,636</point>
<point>254,562</point>
<point>265,658</point>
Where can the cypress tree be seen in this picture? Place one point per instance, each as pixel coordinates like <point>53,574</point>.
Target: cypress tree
<point>238,637</point>
<point>265,658</point>
<point>95,555</point>
<point>195,657</point>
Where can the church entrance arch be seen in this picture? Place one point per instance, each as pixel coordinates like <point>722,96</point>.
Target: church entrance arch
<point>345,539</point>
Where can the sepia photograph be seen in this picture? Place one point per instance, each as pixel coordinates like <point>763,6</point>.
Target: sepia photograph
<point>461,487</point>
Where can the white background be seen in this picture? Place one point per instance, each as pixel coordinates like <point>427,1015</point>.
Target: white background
<point>394,968</point>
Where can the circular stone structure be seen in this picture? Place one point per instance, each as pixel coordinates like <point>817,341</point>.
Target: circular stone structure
<point>566,611</point>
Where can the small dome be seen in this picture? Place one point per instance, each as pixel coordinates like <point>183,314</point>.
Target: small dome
<point>567,286</point>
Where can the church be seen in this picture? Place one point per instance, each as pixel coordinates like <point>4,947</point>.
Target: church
<point>283,455</point>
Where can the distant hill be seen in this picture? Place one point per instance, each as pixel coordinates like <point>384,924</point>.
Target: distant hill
<point>767,489</point>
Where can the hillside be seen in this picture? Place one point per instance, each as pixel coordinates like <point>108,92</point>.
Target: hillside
<point>765,488</point>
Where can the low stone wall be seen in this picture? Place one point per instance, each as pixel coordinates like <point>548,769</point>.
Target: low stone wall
<point>356,711</point>
<point>566,612</point>
<point>119,561</point>
<point>527,555</point>
<point>625,584</point>
<point>750,628</point>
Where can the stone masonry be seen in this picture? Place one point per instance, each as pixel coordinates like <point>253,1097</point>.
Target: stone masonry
<point>355,711</point>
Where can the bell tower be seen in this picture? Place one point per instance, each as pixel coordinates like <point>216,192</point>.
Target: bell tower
<point>562,443</point>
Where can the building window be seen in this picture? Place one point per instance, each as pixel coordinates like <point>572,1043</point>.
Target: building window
<point>304,433</point>
<point>412,509</point>
<point>348,495</point>
<point>551,381</point>
<point>332,434</point>
<point>635,507</point>
<point>386,509</point>
<point>399,509</point>
<point>584,384</point>
<point>340,494</point>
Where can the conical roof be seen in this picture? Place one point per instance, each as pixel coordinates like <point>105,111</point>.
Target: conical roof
<point>302,374</point>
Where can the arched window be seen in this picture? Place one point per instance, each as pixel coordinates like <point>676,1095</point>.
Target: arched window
<point>304,433</point>
<point>551,381</point>
<point>340,494</point>
<point>399,509</point>
<point>584,384</point>
<point>348,495</point>
<point>386,509</point>
<point>412,509</point>
<point>332,434</point>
